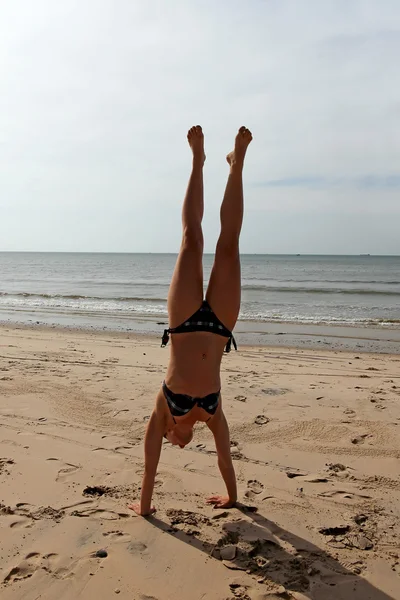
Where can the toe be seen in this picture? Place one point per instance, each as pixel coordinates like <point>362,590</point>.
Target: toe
<point>247,134</point>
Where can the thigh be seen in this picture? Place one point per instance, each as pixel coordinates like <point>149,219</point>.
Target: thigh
<point>224,288</point>
<point>186,290</point>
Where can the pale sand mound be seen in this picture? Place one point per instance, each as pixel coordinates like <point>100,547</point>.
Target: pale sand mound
<point>315,437</point>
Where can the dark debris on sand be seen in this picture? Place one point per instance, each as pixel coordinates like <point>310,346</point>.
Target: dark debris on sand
<point>4,463</point>
<point>119,491</point>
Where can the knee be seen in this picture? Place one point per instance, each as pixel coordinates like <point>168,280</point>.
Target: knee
<point>192,239</point>
<point>228,249</point>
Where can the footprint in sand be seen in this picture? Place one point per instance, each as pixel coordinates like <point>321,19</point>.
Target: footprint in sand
<point>316,479</point>
<point>294,474</point>
<point>200,447</point>
<point>99,513</point>
<point>23,505</point>
<point>255,486</point>
<point>236,448</point>
<point>343,495</point>
<point>26,514</point>
<point>275,391</point>
<point>51,564</point>
<point>117,536</point>
<point>50,561</point>
<point>253,490</point>
<point>336,468</point>
<point>66,471</point>
<point>359,439</point>
<point>261,420</point>
<point>350,412</point>
<point>23,571</point>
<point>11,443</point>
<point>33,555</point>
<point>241,398</point>
<point>235,453</point>
<point>136,547</point>
<point>31,563</point>
<point>21,523</point>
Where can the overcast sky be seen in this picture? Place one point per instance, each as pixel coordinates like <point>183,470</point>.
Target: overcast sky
<point>96,97</point>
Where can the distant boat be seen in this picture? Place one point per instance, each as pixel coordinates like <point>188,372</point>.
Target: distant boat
<point>365,255</point>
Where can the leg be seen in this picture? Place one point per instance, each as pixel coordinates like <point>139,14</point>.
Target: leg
<point>223,292</point>
<point>186,291</point>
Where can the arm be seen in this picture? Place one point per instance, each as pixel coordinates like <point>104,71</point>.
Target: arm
<point>219,427</point>
<point>152,451</point>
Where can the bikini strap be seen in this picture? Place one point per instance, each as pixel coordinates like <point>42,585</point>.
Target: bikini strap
<point>165,338</point>
<point>229,343</point>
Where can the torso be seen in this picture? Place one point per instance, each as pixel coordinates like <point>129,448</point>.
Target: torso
<point>194,366</point>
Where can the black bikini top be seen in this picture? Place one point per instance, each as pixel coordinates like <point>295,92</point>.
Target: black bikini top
<point>203,319</point>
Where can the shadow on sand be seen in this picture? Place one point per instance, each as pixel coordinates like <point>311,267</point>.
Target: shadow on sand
<point>275,555</point>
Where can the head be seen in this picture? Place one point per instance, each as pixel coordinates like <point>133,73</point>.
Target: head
<point>180,435</point>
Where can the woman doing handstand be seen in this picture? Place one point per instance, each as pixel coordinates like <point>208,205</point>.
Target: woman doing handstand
<point>200,329</point>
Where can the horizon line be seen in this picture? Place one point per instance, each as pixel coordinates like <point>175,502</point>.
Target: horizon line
<point>297,254</point>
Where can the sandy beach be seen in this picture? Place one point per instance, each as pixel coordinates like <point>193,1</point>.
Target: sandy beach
<point>315,437</point>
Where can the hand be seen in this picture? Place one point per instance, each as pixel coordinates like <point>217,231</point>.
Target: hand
<point>221,501</point>
<point>137,509</point>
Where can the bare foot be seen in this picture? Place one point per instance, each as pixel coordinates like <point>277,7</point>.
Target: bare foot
<point>138,510</point>
<point>196,142</point>
<point>242,140</point>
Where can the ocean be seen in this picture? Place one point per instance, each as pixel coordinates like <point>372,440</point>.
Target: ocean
<point>129,291</point>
